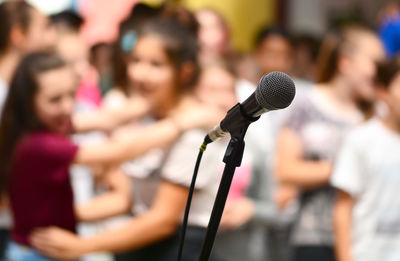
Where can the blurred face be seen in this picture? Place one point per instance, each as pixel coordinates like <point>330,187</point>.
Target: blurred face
<point>40,35</point>
<point>74,50</point>
<point>359,68</point>
<point>274,54</point>
<point>216,87</point>
<point>304,66</point>
<point>152,74</point>
<point>213,35</point>
<point>54,101</point>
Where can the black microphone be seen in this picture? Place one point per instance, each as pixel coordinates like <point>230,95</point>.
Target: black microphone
<point>275,91</point>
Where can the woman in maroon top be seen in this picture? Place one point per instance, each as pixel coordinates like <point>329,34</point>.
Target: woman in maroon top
<point>35,151</point>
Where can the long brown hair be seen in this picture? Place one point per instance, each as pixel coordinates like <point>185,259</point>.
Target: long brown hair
<point>337,44</point>
<point>18,117</point>
<point>180,44</point>
<point>140,13</point>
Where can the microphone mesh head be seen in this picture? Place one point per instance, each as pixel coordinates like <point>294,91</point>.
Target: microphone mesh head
<point>275,90</point>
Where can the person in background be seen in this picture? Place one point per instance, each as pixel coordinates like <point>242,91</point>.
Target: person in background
<point>249,207</point>
<point>214,36</point>
<point>75,51</point>
<point>367,208</point>
<point>22,29</point>
<point>122,89</point>
<point>36,152</point>
<point>312,135</point>
<point>273,51</point>
<point>163,68</point>
<point>101,58</point>
<point>115,185</point>
<point>216,85</point>
<point>305,53</point>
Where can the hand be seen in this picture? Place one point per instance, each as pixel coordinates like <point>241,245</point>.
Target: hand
<point>237,213</point>
<point>57,243</point>
<point>190,113</point>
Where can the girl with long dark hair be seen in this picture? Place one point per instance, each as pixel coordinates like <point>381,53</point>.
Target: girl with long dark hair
<point>310,139</point>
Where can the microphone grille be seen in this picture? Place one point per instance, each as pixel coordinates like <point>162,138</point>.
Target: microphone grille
<point>275,90</point>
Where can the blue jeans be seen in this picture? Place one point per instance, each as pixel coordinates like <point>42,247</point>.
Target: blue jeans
<point>17,252</point>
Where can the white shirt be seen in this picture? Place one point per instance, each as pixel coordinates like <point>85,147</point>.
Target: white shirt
<point>176,165</point>
<point>114,99</point>
<point>368,168</point>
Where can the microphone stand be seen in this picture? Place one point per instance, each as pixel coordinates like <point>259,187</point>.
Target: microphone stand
<point>232,159</point>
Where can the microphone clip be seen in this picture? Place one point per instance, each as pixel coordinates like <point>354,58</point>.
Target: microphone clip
<point>239,128</point>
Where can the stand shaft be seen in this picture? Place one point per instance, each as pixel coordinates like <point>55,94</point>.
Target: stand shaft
<point>233,158</point>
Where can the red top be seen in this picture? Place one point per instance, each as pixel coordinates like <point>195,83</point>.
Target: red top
<point>40,188</point>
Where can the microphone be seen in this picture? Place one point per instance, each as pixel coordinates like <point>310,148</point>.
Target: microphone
<point>275,91</point>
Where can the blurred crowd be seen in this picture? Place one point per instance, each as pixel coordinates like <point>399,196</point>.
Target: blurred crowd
<point>98,140</point>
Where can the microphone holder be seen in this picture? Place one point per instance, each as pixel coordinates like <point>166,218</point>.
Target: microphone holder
<point>232,159</point>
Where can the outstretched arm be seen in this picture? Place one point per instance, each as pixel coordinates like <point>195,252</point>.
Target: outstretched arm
<point>107,119</point>
<point>292,169</point>
<point>156,224</point>
<point>130,146</point>
<point>188,115</point>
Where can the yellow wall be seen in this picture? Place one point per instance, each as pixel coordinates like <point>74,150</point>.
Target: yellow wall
<point>245,17</point>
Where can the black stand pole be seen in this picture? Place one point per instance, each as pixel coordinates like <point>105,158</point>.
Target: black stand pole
<point>233,158</point>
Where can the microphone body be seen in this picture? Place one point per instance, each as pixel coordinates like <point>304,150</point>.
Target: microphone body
<point>275,90</point>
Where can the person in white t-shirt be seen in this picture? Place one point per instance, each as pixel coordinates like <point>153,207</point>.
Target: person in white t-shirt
<point>367,176</point>
<point>23,29</point>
